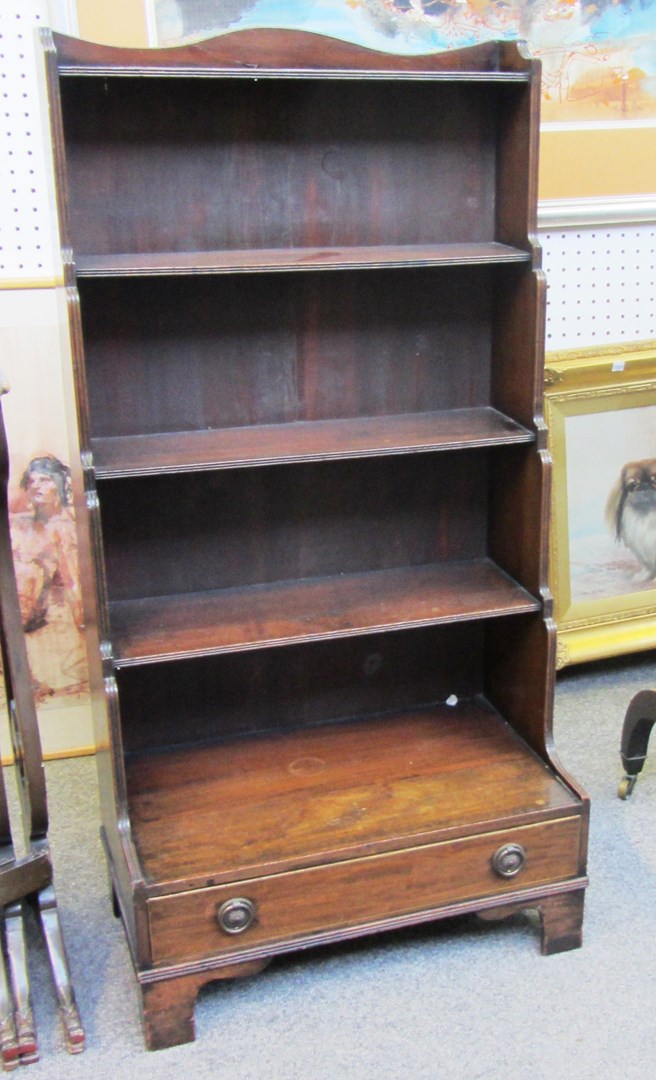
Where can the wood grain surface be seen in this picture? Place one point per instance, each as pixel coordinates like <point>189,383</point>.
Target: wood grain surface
<point>302,797</point>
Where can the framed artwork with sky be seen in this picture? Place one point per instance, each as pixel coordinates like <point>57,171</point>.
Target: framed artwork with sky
<point>598,135</point>
<point>598,57</point>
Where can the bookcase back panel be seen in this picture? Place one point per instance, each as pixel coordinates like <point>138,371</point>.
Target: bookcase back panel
<point>196,532</point>
<point>214,698</point>
<point>187,354</point>
<point>186,164</point>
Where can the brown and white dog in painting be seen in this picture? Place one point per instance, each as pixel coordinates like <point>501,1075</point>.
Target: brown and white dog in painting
<point>631,512</point>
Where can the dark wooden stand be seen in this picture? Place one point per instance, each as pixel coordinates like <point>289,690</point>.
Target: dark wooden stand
<point>636,731</point>
<point>26,873</point>
<point>307,323</point>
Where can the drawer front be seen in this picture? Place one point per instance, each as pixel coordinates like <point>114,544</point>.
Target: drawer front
<point>359,892</point>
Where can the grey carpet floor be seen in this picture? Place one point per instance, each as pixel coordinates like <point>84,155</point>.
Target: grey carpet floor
<point>460,1000</point>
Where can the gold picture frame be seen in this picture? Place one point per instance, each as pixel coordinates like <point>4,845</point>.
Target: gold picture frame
<point>600,409</point>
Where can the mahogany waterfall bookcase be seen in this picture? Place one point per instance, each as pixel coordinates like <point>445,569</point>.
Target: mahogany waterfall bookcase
<point>307,326</point>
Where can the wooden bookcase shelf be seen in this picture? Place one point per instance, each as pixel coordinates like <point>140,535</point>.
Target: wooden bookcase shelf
<point>318,440</point>
<point>232,262</point>
<point>257,616</point>
<point>307,315</point>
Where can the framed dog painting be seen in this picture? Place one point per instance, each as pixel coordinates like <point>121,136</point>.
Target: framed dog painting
<point>600,408</point>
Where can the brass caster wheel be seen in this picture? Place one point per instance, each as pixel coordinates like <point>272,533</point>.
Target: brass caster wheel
<point>627,785</point>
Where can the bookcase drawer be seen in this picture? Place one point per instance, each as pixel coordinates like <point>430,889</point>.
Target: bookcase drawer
<point>294,906</point>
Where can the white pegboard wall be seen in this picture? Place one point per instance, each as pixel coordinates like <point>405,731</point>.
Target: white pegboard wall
<point>601,285</point>
<point>28,252</point>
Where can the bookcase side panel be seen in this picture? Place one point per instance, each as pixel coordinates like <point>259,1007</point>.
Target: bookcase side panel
<point>517,177</point>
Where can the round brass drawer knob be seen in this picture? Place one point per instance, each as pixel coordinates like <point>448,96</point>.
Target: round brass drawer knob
<point>508,860</point>
<point>235,916</point>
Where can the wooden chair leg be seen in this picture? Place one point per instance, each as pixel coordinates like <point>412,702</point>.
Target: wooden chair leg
<point>20,984</point>
<point>638,723</point>
<point>561,919</point>
<point>9,1051</point>
<point>68,1010</point>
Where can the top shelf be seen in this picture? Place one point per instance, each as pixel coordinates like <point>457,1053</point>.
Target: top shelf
<point>273,259</point>
<point>114,71</point>
<point>276,52</point>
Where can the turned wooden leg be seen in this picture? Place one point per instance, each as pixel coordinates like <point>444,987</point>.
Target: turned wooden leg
<point>562,922</point>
